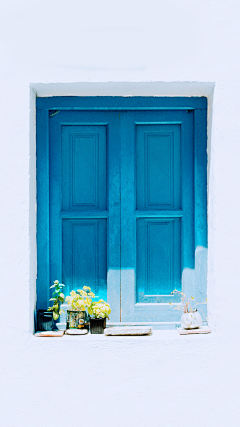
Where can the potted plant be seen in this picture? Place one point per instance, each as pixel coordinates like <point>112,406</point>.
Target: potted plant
<point>78,302</point>
<point>191,318</point>
<point>57,298</point>
<point>99,311</point>
<point>45,317</point>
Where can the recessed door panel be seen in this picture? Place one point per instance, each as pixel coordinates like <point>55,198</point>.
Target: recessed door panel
<point>85,255</point>
<point>158,167</point>
<point>158,257</point>
<point>84,155</point>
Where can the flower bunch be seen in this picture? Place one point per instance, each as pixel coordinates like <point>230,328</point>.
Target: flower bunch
<point>99,309</point>
<point>57,297</point>
<point>188,305</point>
<point>81,299</point>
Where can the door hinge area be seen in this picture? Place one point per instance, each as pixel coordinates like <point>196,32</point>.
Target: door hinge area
<point>53,113</point>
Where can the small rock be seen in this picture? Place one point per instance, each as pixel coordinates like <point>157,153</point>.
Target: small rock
<point>128,330</point>
<point>76,331</point>
<point>49,334</point>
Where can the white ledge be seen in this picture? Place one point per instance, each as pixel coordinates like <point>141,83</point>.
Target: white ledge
<point>157,335</point>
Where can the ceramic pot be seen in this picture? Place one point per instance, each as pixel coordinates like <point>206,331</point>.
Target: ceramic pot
<point>75,319</point>
<point>191,320</point>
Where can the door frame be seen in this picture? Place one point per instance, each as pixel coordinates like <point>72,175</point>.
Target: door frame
<point>48,107</point>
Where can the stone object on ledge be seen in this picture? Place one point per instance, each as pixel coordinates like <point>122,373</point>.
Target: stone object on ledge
<point>128,330</point>
<point>49,334</point>
<point>201,330</point>
<point>76,331</point>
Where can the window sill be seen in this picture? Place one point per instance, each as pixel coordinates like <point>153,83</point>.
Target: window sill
<point>157,335</point>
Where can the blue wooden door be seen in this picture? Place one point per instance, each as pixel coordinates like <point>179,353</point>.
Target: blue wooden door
<point>157,214</point>
<point>85,203</point>
<point>120,211</point>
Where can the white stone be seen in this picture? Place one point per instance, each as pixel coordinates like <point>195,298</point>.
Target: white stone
<point>76,331</point>
<point>49,334</point>
<point>201,330</point>
<point>128,330</point>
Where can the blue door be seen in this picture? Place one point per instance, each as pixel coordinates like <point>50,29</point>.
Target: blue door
<point>157,212</point>
<point>121,204</point>
<point>85,203</point>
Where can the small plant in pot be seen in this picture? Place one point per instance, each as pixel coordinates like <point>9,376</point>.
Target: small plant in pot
<point>99,311</point>
<point>78,301</point>
<point>57,298</point>
<point>45,317</point>
<point>191,318</point>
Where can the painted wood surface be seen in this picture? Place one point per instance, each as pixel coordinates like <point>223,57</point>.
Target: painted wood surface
<point>85,213</point>
<point>58,103</point>
<point>117,209</point>
<point>157,211</point>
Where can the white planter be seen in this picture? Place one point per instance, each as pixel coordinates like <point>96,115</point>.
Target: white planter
<point>191,320</point>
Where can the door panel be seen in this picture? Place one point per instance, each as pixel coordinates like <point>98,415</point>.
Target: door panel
<point>84,163</point>
<point>85,254</point>
<point>158,258</point>
<point>85,203</point>
<point>84,188</point>
<point>158,188</point>
<point>157,215</point>
<point>158,167</point>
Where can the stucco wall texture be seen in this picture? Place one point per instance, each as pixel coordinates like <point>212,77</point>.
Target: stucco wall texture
<point>78,48</point>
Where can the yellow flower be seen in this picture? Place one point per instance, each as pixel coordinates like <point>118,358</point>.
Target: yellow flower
<point>91,294</point>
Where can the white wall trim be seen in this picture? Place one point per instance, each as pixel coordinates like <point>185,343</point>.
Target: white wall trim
<point>158,89</point>
<point>124,89</point>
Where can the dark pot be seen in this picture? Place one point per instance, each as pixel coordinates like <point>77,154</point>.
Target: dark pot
<point>44,320</point>
<point>97,326</point>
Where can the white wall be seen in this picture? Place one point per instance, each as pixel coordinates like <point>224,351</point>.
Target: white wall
<point>164,380</point>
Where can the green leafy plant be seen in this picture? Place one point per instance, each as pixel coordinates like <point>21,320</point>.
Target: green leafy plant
<point>57,298</point>
<point>188,305</point>
<point>81,299</point>
<point>99,309</point>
